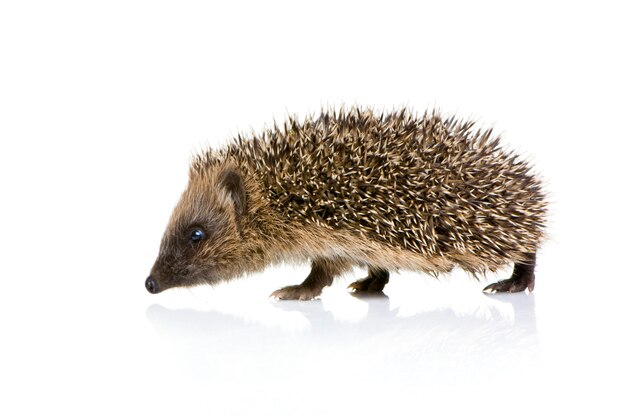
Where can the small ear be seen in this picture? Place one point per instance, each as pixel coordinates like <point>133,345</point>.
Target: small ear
<point>232,182</point>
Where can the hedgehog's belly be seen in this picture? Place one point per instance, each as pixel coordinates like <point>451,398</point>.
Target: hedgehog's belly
<point>323,242</point>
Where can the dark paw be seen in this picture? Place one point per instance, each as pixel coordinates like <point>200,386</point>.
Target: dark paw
<point>512,285</point>
<point>296,292</point>
<point>369,284</point>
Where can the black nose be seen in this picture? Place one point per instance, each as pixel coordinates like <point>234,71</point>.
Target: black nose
<point>151,285</point>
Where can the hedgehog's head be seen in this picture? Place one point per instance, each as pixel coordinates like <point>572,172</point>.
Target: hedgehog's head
<point>202,243</point>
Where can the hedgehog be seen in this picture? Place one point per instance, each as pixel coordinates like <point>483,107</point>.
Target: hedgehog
<point>385,191</point>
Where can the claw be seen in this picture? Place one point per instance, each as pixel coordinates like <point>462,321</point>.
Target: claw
<point>275,295</point>
<point>370,284</point>
<point>297,292</point>
<point>353,287</point>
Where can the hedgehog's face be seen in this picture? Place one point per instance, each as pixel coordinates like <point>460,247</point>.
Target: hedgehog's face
<point>202,243</point>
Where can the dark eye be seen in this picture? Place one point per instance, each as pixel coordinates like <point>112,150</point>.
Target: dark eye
<point>197,235</point>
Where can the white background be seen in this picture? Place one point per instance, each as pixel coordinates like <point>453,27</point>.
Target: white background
<point>101,106</point>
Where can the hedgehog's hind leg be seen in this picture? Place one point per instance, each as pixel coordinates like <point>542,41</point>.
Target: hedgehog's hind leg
<point>523,277</point>
<point>323,271</point>
<point>374,282</point>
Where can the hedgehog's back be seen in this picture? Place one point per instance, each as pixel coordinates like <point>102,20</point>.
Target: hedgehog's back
<point>429,185</point>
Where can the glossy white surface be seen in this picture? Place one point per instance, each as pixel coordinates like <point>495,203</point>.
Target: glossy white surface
<point>100,107</point>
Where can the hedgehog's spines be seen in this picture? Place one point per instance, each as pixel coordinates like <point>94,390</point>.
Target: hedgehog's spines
<point>435,186</point>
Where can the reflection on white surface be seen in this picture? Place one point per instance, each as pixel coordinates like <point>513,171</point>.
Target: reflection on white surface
<point>304,355</point>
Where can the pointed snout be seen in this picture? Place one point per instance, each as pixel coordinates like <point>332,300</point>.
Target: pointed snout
<point>152,285</point>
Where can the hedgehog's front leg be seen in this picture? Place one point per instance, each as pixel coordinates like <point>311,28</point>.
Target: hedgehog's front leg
<point>323,271</point>
<point>523,277</point>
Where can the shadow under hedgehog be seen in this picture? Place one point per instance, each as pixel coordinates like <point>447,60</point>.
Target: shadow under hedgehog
<point>386,191</point>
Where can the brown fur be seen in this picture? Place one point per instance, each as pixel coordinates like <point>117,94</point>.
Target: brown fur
<point>352,188</point>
